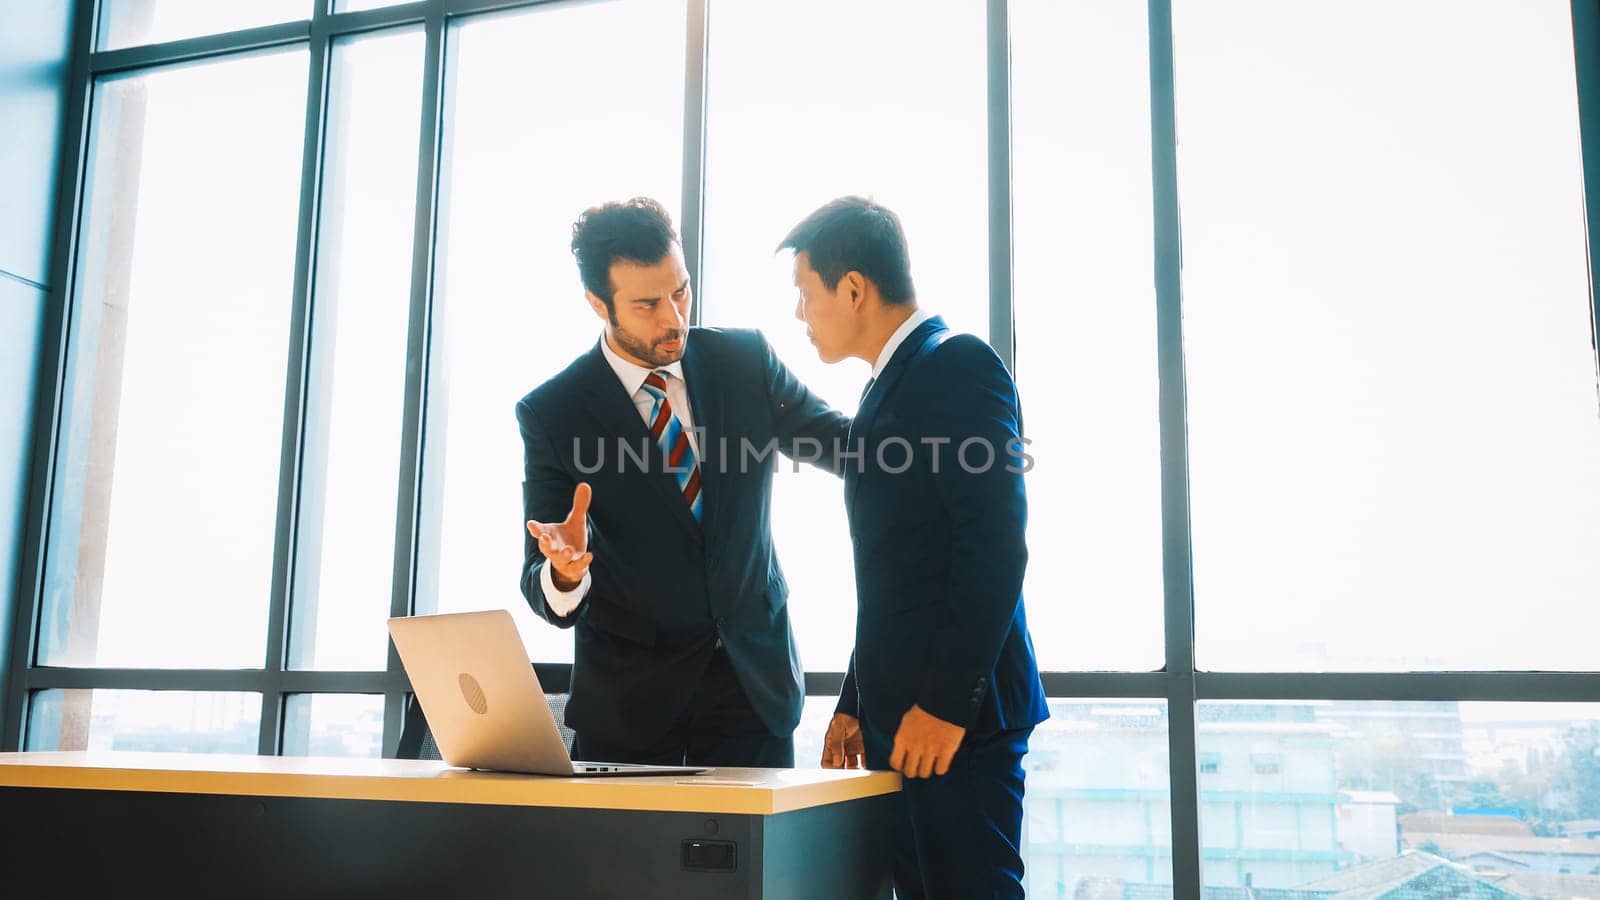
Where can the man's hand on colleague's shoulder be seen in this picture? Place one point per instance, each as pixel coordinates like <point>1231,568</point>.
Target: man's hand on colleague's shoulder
<point>565,544</point>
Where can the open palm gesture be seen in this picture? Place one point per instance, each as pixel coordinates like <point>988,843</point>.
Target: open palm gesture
<point>566,543</point>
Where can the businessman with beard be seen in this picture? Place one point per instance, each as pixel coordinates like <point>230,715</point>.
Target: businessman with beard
<point>662,562</point>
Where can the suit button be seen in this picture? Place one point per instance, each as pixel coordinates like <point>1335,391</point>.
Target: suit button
<point>721,621</point>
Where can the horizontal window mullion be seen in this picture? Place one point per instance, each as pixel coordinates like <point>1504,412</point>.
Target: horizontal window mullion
<point>259,680</point>
<point>198,48</point>
<point>47,677</point>
<point>1152,685</point>
<point>473,7</point>
<point>312,682</point>
<point>1463,686</point>
<point>348,23</point>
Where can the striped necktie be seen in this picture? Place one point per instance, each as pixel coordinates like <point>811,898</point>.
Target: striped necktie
<point>669,434</point>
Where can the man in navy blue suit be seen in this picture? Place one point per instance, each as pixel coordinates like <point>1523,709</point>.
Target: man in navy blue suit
<point>648,484</point>
<point>942,686</point>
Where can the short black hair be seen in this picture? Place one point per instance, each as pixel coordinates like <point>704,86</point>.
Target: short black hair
<point>854,234</point>
<point>637,230</point>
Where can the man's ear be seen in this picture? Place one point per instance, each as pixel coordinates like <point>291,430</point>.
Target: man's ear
<point>598,305</point>
<point>854,286</point>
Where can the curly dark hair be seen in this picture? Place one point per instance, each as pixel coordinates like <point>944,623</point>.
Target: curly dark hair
<point>637,230</point>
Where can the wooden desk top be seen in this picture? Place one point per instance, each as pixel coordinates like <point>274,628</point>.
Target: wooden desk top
<point>723,790</point>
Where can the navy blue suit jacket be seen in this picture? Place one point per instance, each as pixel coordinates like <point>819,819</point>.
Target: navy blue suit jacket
<point>939,546</point>
<point>664,588</point>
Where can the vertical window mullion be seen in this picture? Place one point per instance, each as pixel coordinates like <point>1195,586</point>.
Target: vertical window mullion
<point>1586,57</point>
<point>413,468</point>
<point>1177,547</point>
<point>291,469</point>
<point>691,223</point>
<point>1002,335</point>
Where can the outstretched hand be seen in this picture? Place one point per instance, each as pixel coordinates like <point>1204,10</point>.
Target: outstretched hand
<point>566,543</point>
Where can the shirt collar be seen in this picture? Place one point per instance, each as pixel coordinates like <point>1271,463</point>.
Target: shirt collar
<point>632,375</point>
<point>896,339</point>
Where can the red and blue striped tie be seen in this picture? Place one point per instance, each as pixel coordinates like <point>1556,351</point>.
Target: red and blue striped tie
<point>669,434</point>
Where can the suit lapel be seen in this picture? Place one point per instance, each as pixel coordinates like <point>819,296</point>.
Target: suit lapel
<point>923,336</point>
<point>707,406</point>
<point>619,419</point>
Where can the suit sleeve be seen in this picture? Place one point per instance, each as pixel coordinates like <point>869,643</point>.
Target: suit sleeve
<point>988,512</point>
<point>800,417</point>
<point>849,699</point>
<point>546,497</point>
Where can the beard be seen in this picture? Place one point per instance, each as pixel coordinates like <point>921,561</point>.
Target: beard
<point>649,351</point>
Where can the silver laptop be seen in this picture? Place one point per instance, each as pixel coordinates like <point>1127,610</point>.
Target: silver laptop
<point>483,701</point>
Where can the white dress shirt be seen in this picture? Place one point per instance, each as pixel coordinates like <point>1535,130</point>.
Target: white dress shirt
<point>632,377</point>
<point>898,338</point>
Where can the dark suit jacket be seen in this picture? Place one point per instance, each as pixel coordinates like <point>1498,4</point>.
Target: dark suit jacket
<point>663,589</point>
<point>939,549</point>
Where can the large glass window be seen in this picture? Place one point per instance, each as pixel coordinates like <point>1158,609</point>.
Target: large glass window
<point>1097,811</point>
<point>1387,321</point>
<point>362,307</point>
<point>160,721</point>
<point>1433,799</point>
<point>165,511</point>
<point>552,111</point>
<point>1388,378</point>
<point>794,118</point>
<point>1098,804</point>
<point>333,725</point>
<point>1085,322</point>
